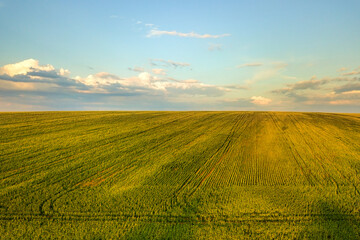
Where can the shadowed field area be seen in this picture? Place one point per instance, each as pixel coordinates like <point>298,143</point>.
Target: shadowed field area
<point>183,175</point>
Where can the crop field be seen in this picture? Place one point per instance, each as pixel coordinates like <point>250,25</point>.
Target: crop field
<point>179,175</point>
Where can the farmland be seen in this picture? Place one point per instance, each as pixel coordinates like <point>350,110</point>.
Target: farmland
<point>184,175</point>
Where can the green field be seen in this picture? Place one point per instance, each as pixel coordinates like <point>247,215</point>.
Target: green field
<point>181,175</point>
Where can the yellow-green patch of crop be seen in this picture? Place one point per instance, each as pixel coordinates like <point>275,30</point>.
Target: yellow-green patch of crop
<point>190,175</point>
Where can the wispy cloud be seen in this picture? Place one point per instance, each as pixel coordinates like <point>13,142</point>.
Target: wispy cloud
<point>136,69</point>
<point>255,64</point>
<point>351,73</point>
<point>356,71</point>
<point>271,71</point>
<point>156,32</point>
<point>168,63</point>
<point>236,86</point>
<point>347,88</point>
<point>325,91</point>
<point>313,84</point>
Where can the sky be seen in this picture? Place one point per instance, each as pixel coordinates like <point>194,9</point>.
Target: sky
<point>258,55</point>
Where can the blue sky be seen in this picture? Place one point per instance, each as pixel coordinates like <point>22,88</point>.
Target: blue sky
<point>180,55</point>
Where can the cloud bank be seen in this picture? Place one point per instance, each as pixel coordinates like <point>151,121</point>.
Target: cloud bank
<point>341,91</point>
<point>29,83</point>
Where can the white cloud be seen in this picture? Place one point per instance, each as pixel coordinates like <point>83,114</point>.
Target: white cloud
<point>64,72</point>
<point>30,69</point>
<point>98,79</point>
<point>159,71</point>
<point>32,79</point>
<point>259,100</point>
<point>149,84</point>
<point>30,76</point>
<point>155,32</point>
<point>145,78</point>
<point>25,67</point>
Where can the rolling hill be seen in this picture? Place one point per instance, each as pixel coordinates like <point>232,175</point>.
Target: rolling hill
<point>182,175</point>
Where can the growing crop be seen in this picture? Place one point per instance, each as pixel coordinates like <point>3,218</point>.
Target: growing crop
<point>187,175</point>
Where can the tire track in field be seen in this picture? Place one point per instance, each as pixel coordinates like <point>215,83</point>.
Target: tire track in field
<point>59,194</point>
<point>166,219</point>
<point>48,124</point>
<point>318,161</point>
<point>191,177</point>
<point>228,142</point>
<point>331,120</point>
<point>310,146</point>
<point>113,173</point>
<point>306,173</point>
<point>171,137</point>
<point>98,144</point>
<point>305,139</point>
<point>199,135</point>
<point>344,140</point>
<point>223,150</point>
<point>331,163</point>
<point>117,136</point>
<point>76,170</point>
<point>131,135</point>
